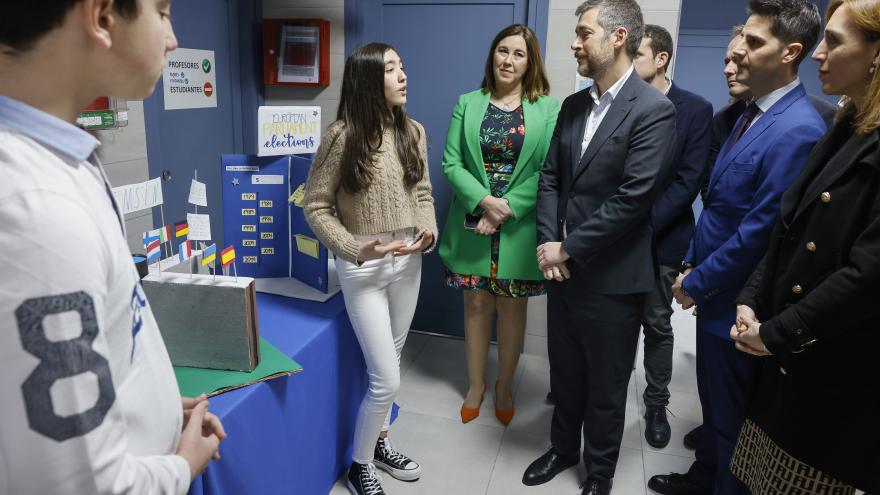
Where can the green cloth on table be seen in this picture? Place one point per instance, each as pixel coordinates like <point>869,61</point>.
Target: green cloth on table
<point>273,363</point>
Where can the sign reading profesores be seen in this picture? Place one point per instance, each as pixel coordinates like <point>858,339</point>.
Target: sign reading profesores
<point>288,130</point>
<point>190,79</point>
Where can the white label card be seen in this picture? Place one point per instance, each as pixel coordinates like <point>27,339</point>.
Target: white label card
<point>267,179</point>
<point>198,194</point>
<point>199,226</point>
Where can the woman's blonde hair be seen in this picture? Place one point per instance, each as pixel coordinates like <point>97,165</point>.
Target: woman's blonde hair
<point>866,15</point>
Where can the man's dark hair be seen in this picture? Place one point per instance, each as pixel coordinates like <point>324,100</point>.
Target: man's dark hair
<point>791,21</point>
<point>660,41</point>
<point>24,22</point>
<point>618,13</point>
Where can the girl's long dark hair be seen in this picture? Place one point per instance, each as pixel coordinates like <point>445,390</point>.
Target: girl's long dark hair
<point>363,110</point>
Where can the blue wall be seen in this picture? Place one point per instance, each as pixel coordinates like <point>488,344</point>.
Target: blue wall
<point>702,41</point>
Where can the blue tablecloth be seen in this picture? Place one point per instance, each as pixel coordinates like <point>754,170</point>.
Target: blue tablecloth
<point>292,435</point>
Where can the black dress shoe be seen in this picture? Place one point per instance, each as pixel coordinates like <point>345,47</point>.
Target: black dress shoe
<point>692,439</point>
<point>595,486</point>
<point>675,484</point>
<point>657,430</point>
<point>544,468</point>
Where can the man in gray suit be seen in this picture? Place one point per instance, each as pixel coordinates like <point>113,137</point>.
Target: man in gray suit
<point>609,157</point>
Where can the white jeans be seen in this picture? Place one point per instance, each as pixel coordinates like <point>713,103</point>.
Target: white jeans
<point>380,297</point>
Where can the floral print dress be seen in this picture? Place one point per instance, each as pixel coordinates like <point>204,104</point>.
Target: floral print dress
<point>501,139</point>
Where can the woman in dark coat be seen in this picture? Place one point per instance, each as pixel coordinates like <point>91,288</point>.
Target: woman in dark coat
<point>813,305</point>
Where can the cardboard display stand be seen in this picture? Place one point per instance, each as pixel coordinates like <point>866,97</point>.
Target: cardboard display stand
<point>263,219</point>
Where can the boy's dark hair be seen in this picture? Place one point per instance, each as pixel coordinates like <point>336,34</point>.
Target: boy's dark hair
<point>791,21</point>
<point>24,22</point>
<point>660,41</point>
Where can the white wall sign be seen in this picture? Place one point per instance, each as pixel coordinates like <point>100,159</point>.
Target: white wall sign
<point>190,79</point>
<point>288,130</point>
<point>140,196</point>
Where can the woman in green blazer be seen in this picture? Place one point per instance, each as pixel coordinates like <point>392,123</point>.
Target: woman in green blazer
<point>496,143</point>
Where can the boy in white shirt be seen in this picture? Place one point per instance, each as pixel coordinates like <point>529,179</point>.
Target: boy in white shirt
<point>88,398</point>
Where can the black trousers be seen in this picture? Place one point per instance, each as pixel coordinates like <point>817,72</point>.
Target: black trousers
<point>659,340</point>
<point>592,340</point>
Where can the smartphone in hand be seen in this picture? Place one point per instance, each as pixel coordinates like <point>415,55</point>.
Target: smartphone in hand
<point>471,221</point>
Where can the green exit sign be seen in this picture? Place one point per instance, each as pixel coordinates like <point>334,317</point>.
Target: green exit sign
<point>103,119</point>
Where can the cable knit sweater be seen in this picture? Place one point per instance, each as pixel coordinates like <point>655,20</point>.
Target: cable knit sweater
<point>385,205</point>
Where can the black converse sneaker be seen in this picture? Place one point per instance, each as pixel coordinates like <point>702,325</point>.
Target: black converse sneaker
<point>364,480</point>
<point>387,458</point>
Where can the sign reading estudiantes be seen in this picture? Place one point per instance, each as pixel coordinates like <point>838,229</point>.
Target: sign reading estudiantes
<point>189,79</point>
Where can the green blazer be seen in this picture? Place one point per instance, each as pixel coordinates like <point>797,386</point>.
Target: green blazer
<point>467,252</point>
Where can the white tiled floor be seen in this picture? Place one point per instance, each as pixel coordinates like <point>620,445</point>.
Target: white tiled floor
<point>483,457</point>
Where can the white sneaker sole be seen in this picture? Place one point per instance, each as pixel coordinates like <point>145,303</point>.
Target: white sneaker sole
<point>400,474</point>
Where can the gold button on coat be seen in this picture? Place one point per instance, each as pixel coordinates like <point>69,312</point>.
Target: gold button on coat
<point>797,289</point>
<point>811,246</point>
<point>825,197</point>
<point>782,370</point>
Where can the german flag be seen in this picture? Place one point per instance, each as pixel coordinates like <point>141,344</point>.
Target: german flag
<point>227,256</point>
<point>181,229</point>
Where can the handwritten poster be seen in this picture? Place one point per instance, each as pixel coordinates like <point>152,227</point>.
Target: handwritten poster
<point>198,194</point>
<point>199,226</point>
<point>140,196</point>
<point>288,130</point>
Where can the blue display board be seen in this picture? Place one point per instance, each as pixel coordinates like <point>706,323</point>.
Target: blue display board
<point>271,237</point>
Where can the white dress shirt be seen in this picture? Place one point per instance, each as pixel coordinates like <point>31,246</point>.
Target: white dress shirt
<point>765,102</point>
<point>600,107</point>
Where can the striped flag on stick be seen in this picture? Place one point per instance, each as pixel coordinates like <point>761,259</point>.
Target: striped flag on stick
<point>209,255</point>
<point>165,233</point>
<point>227,256</point>
<point>181,229</point>
<point>184,252</point>
<point>154,252</point>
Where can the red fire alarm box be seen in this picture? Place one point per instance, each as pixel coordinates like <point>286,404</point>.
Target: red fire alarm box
<point>296,52</point>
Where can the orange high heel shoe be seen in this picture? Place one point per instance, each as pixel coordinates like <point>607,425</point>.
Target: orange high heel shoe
<point>469,414</point>
<point>503,415</point>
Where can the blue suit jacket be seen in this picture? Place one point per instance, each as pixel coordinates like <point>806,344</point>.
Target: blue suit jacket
<point>742,205</point>
<point>672,215</point>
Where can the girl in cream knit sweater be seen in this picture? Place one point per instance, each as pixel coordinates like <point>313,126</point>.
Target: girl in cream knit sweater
<point>368,198</point>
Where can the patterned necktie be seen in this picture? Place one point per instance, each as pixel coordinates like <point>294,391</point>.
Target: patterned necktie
<point>742,125</point>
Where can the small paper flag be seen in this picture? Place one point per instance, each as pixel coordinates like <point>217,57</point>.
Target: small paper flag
<point>181,228</point>
<point>165,233</point>
<point>227,256</point>
<point>153,250</point>
<point>209,255</point>
<point>148,238</point>
<point>184,252</point>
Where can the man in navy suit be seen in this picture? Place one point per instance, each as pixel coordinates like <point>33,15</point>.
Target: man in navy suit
<point>673,221</point>
<point>763,155</point>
